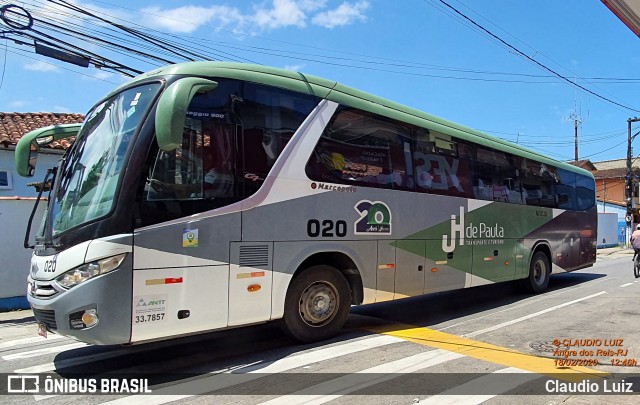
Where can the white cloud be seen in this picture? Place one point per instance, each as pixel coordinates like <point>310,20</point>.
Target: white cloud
<point>103,75</point>
<point>60,109</point>
<point>285,13</point>
<point>188,19</point>
<point>266,15</point>
<point>41,66</point>
<point>344,14</point>
<point>18,104</point>
<point>295,68</point>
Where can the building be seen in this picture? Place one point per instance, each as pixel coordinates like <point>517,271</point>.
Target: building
<point>17,199</point>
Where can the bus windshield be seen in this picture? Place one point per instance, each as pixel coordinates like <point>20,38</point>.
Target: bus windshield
<point>90,172</point>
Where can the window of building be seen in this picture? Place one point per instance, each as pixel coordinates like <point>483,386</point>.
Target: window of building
<point>5,179</point>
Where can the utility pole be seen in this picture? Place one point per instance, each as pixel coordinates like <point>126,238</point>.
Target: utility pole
<point>575,129</point>
<point>604,195</point>
<point>629,180</point>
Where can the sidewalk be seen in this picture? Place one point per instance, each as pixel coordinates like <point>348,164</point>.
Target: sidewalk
<point>615,250</point>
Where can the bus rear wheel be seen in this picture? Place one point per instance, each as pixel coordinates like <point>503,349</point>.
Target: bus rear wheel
<point>539,273</point>
<point>317,304</point>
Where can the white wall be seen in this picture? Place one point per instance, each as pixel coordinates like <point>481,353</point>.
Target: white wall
<point>16,260</point>
<point>20,189</point>
<point>607,229</point>
<point>16,205</point>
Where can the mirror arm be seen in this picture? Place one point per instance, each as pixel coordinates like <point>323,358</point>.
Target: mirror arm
<point>35,207</point>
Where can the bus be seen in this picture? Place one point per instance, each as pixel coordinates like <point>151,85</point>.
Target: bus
<point>210,195</point>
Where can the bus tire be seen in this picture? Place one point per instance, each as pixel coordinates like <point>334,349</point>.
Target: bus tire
<point>317,304</point>
<point>539,272</point>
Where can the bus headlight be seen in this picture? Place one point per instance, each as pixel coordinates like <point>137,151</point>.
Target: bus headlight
<point>83,273</point>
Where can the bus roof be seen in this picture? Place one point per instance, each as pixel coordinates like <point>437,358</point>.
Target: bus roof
<point>342,94</point>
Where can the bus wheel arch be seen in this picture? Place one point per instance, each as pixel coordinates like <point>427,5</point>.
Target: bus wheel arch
<point>317,304</point>
<point>537,280</point>
<point>344,264</point>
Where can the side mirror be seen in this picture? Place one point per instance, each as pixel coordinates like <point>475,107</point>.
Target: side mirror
<point>172,109</point>
<point>26,154</point>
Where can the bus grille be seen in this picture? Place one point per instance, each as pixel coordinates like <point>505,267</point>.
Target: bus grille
<point>43,290</point>
<point>254,256</point>
<point>47,317</point>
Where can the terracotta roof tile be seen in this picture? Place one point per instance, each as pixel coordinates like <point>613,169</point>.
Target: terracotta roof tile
<point>14,125</point>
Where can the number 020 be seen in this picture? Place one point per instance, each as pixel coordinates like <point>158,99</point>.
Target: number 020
<point>326,229</point>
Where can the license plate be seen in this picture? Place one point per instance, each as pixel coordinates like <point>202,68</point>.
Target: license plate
<point>42,330</point>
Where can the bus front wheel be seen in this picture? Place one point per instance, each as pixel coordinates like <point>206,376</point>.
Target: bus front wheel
<point>539,273</point>
<point>317,304</point>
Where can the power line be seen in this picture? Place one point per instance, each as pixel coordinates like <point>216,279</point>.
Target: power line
<point>541,65</point>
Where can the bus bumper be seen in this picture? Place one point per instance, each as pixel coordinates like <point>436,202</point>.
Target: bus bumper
<point>105,300</point>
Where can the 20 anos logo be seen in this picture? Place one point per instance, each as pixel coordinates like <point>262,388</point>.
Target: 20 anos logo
<point>375,218</point>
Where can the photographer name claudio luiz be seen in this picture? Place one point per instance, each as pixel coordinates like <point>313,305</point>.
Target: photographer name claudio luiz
<point>589,387</point>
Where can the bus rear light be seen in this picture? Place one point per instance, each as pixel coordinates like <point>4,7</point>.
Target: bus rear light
<point>434,269</point>
<point>254,287</point>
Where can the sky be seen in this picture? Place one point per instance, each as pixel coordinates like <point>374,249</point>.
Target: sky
<point>531,71</point>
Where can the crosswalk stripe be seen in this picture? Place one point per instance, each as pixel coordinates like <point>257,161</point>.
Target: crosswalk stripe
<point>42,352</point>
<point>485,351</point>
<point>74,361</point>
<point>253,372</point>
<point>533,315</point>
<point>28,341</point>
<point>365,378</point>
<point>480,384</point>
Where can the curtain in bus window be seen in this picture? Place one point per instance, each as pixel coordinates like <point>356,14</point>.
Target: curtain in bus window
<point>539,181</point>
<point>565,189</point>
<point>442,164</point>
<point>177,175</point>
<point>362,149</point>
<point>498,176</point>
<point>268,117</point>
<point>585,193</point>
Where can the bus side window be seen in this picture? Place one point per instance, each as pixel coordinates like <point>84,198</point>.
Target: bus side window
<point>498,177</point>
<point>442,164</point>
<point>361,148</point>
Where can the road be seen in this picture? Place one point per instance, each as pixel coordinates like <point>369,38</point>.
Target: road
<point>491,345</point>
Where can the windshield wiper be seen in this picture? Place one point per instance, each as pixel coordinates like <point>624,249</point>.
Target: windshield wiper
<point>41,187</point>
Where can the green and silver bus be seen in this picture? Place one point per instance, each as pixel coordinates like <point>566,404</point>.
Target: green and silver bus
<point>209,195</point>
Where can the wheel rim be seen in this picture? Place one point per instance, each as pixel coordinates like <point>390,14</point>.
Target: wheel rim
<point>318,303</point>
<point>539,272</point>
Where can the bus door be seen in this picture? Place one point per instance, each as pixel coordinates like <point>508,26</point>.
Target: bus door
<point>182,245</point>
<point>181,278</point>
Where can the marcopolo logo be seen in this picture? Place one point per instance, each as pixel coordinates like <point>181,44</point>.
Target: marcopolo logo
<point>478,233</point>
<point>375,218</point>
